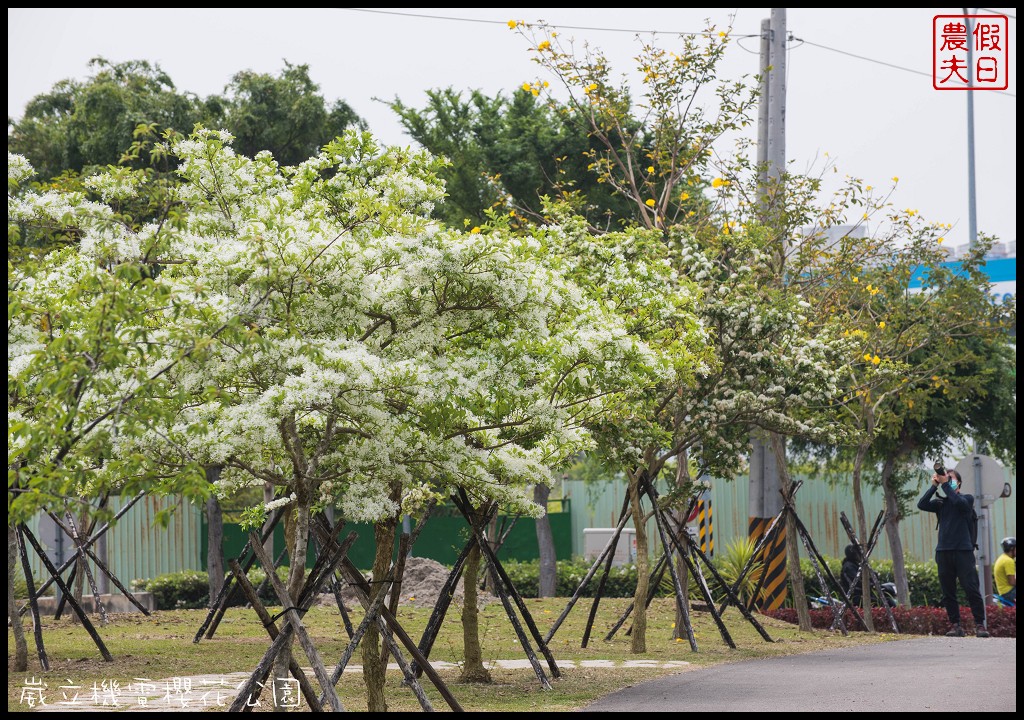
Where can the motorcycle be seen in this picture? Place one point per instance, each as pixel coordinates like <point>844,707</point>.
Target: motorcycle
<point>822,601</point>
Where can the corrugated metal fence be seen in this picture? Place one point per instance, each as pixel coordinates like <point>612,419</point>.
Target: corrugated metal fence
<point>137,546</point>
<point>818,505</point>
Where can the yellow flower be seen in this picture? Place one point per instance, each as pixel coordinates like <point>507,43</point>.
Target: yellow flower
<point>591,87</point>
<point>691,213</point>
<point>545,83</point>
<point>856,280</point>
<point>475,229</point>
<point>513,24</point>
<point>718,182</point>
<point>526,87</point>
<point>535,92</point>
<point>544,45</point>
<point>721,34</point>
<point>875,360</point>
<point>940,240</point>
<point>650,169</point>
<point>895,178</point>
<point>650,202</point>
<point>685,196</point>
<point>882,324</point>
<point>868,188</point>
<point>867,357</point>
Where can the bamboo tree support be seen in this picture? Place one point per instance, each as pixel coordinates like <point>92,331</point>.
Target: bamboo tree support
<point>265,583</point>
<point>249,693</point>
<point>86,623</point>
<point>654,582</point>
<point>607,551</point>
<point>291,613</point>
<point>732,597</point>
<point>93,538</point>
<point>444,601</point>
<point>723,584</point>
<point>390,627</point>
<point>396,585</point>
<point>113,578</point>
<point>498,571</point>
<point>609,557</point>
<point>251,595</point>
<point>33,603</point>
<point>676,584</point>
<point>72,531</point>
<point>865,554</point>
<point>363,593</point>
<point>821,568</point>
<point>373,615</point>
<point>220,605</point>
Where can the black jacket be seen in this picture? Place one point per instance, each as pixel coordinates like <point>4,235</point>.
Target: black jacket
<point>954,517</point>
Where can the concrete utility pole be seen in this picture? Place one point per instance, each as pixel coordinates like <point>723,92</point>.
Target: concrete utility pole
<point>765,501</point>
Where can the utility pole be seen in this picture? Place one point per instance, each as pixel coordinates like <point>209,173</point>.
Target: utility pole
<point>765,500</point>
<point>972,208</point>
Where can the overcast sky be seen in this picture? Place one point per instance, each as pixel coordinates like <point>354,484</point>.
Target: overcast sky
<point>874,120</point>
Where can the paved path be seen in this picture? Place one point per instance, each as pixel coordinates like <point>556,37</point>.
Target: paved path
<point>932,674</point>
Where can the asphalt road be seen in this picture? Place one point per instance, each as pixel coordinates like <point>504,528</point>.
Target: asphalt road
<point>931,674</point>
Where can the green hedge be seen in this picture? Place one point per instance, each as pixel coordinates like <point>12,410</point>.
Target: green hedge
<point>190,589</point>
<point>922,577</point>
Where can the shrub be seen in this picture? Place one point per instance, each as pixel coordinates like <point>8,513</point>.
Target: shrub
<point>525,575</point>
<point>190,589</point>
<point>1002,621</point>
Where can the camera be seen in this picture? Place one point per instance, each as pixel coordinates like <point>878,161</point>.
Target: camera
<point>939,470</point>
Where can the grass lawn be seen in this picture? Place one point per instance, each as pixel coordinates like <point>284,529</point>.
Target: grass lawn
<point>160,647</point>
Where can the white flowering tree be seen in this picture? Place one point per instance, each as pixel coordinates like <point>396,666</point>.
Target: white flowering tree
<point>739,347</point>
<point>92,340</point>
<point>760,365</point>
<point>388,361</point>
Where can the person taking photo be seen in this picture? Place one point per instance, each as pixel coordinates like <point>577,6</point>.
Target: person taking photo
<point>954,551</point>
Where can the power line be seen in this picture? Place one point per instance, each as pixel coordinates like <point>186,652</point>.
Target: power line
<point>505,22</point>
<point>681,32</point>
<point>882,62</point>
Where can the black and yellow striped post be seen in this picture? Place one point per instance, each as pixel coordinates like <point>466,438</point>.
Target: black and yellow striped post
<point>773,585</point>
<point>765,503</point>
<point>705,528</point>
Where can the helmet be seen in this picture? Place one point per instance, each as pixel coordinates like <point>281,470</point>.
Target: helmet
<point>1010,542</point>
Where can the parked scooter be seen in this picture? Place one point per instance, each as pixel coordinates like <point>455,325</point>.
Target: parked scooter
<point>821,601</point>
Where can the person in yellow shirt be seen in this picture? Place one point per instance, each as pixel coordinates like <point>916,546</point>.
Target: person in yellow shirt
<point>1004,572</point>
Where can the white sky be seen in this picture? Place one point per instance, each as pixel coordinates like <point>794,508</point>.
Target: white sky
<point>874,121</point>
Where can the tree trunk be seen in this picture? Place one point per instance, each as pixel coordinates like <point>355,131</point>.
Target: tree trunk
<point>638,638</point>
<point>215,537</point>
<point>297,540</point>
<point>374,660</point>
<point>473,669</point>
<point>268,496</point>
<point>546,544</point>
<point>892,533</point>
<point>862,532</point>
<point>796,577</point>
<point>682,478</point>
<point>20,643</point>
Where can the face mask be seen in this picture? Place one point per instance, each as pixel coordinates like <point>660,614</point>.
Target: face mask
<point>952,484</point>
